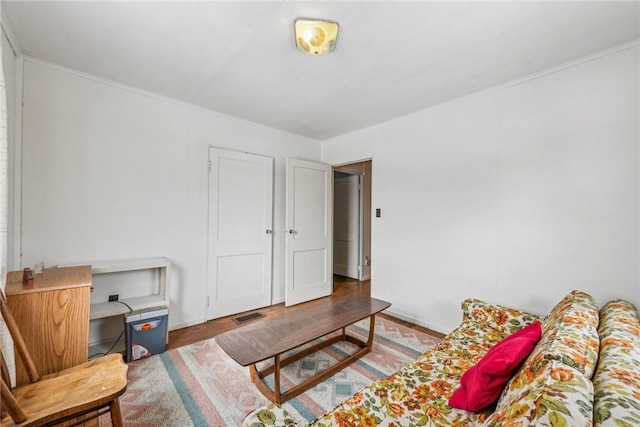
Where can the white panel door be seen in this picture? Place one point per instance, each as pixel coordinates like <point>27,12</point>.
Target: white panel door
<point>346,227</point>
<point>309,259</point>
<point>240,234</point>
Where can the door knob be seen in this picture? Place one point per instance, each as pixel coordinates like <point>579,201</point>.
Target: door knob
<point>269,231</point>
<point>292,231</point>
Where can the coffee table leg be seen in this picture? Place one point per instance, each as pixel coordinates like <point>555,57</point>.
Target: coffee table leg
<point>372,325</point>
<point>257,378</point>
<point>276,380</point>
<point>276,396</point>
<point>255,375</point>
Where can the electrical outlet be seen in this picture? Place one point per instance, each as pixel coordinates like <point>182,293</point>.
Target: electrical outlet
<point>113,297</point>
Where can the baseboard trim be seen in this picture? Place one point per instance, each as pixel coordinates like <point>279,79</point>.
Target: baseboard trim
<point>182,325</point>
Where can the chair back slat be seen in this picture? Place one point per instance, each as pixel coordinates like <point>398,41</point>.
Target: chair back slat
<point>10,403</point>
<point>18,341</point>
<point>4,369</point>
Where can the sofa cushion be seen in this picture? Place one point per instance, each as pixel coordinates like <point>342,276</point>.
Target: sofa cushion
<point>545,393</point>
<point>570,333</point>
<point>418,394</point>
<point>481,385</point>
<point>503,319</point>
<point>617,377</point>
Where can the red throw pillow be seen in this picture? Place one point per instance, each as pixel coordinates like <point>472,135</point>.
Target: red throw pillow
<point>482,384</point>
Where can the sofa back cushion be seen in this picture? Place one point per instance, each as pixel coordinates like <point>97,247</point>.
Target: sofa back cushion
<point>617,377</point>
<point>553,385</point>
<point>570,333</point>
<point>481,385</point>
<point>545,393</point>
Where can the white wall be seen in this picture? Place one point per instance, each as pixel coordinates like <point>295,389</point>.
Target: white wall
<point>110,173</point>
<point>516,196</point>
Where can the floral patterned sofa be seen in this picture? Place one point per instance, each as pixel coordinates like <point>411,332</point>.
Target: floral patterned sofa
<point>584,371</point>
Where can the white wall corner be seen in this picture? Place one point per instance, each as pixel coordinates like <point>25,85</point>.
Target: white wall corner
<point>7,28</point>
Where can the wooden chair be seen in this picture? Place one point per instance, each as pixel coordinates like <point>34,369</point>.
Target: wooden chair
<point>79,394</point>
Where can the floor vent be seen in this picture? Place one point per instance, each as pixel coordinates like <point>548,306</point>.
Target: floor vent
<point>242,319</point>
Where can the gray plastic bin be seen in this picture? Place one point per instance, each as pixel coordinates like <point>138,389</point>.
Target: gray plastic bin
<point>146,332</point>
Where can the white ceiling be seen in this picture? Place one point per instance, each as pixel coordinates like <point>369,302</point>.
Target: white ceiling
<point>392,58</point>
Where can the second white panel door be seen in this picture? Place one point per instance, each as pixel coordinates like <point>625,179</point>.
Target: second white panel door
<point>309,259</point>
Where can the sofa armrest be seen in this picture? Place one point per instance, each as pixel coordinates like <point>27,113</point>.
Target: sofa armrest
<point>617,377</point>
<point>504,319</point>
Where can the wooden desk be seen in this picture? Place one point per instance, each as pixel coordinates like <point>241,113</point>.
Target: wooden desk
<point>53,316</point>
<point>271,337</point>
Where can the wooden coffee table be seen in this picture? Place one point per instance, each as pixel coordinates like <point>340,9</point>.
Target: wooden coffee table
<point>271,337</point>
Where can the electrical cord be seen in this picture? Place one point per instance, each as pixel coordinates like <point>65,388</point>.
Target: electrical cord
<point>124,303</point>
<point>111,349</point>
<point>119,338</point>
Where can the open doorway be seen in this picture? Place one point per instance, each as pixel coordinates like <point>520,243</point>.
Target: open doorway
<point>352,221</point>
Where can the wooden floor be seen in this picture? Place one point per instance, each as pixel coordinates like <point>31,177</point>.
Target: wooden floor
<point>341,286</point>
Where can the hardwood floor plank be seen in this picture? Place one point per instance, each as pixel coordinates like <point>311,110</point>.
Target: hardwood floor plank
<point>342,286</point>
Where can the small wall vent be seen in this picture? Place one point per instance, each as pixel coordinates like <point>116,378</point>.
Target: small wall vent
<point>243,319</point>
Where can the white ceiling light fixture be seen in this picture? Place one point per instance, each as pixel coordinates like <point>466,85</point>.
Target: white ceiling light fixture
<point>315,36</point>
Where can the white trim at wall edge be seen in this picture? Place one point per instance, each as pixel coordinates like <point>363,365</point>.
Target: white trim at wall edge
<point>417,321</point>
<point>15,192</point>
<point>159,97</point>
<point>539,74</point>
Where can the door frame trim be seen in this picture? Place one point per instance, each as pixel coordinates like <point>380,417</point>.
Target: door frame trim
<point>361,250</point>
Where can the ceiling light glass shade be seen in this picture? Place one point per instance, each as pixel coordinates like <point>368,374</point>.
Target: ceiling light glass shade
<point>314,36</point>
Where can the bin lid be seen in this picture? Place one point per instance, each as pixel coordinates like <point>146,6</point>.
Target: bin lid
<point>146,313</point>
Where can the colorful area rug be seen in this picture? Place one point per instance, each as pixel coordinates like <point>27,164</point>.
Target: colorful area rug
<point>199,385</point>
